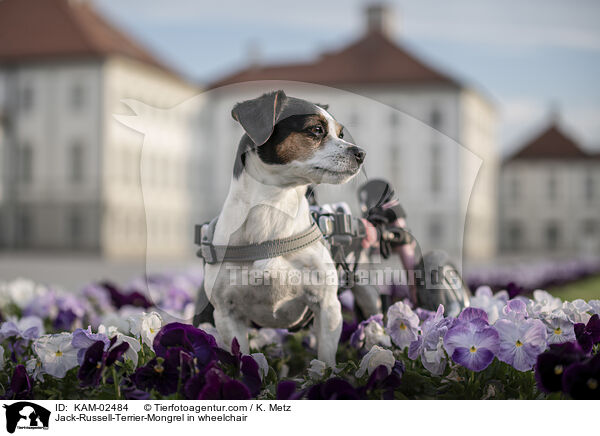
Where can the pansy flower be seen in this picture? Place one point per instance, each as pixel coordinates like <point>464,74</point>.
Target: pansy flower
<point>588,334</point>
<point>472,344</point>
<point>56,353</point>
<point>402,324</point>
<point>370,332</point>
<point>375,357</point>
<point>582,380</point>
<point>159,374</point>
<point>21,386</point>
<point>521,342</point>
<point>333,389</point>
<point>429,345</point>
<point>559,328</point>
<point>551,365</point>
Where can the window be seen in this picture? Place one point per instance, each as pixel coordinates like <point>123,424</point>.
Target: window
<point>435,169</point>
<point>589,228</point>
<point>515,188</point>
<point>589,187</point>
<point>353,119</point>
<point>24,230</point>
<point>552,186</point>
<point>25,163</point>
<point>515,235</point>
<point>77,97</point>
<point>76,169</point>
<point>26,98</point>
<point>552,236</point>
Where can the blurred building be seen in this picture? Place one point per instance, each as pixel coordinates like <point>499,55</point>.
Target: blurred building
<point>375,66</point>
<point>550,197</point>
<point>70,174</point>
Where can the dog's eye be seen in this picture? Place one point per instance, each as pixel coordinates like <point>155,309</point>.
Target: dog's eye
<point>316,130</point>
<point>341,135</point>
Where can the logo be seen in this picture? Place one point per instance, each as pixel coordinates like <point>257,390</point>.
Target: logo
<point>26,415</point>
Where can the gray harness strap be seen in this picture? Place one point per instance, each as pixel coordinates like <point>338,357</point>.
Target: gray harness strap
<point>249,253</point>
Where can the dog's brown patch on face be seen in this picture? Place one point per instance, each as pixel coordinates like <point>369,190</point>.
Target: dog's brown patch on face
<point>295,147</point>
<point>294,138</point>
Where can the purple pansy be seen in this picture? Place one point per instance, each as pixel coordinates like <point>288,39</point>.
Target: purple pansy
<point>383,379</point>
<point>28,328</point>
<point>582,379</point>
<point>429,345</point>
<point>333,389</point>
<point>521,341</point>
<point>158,374</point>
<point>286,390</point>
<point>83,339</point>
<point>197,342</point>
<point>219,386</point>
<point>21,386</point>
<point>472,343</point>
<point>96,358</point>
<point>588,334</point>
<point>551,365</point>
<point>120,299</point>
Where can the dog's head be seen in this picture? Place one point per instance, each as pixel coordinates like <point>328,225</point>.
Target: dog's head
<point>295,141</point>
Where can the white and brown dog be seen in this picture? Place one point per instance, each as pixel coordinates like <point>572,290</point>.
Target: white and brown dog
<point>288,144</point>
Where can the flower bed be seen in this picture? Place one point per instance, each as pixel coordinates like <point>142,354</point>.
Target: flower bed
<point>108,343</point>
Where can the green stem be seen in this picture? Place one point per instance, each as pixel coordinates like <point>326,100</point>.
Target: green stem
<point>116,383</point>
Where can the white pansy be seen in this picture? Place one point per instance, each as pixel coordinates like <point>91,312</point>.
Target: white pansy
<point>559,327</point>
<point>264,337</point>
<point>113,319</point>
<point>34,369</point>
<point>543,304</point>
<point>375,335</point>
<point>263,365</point>
<point>434,359</point>
<point>316,370</point>
<point>145,326</point>
<point>56,353</point>
<point>577,310</point>
<point>22,292</point>
<point>375,357</point>
<point>492,303</point>
<point>134,344</point>
<point>595,305</point>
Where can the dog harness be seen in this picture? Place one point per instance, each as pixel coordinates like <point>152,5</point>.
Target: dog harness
<point>248,253</point>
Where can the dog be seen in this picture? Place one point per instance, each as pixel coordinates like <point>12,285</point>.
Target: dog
<point>288,144</point>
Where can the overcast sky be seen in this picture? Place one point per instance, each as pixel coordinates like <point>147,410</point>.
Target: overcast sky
<point>526,55</point>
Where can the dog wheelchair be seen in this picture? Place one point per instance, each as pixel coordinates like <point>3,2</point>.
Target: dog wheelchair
<point>431,279</point>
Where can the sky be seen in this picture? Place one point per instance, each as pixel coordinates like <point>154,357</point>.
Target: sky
<point>528,57</point>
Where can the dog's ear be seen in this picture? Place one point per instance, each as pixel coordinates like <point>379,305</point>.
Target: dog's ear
<point>259,116</point>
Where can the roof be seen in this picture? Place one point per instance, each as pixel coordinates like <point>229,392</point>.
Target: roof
<point>50,29</point>
<point>552,143</point>
<point>373,59</point>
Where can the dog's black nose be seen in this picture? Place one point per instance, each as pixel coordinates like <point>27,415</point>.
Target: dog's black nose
<point>359,153</point>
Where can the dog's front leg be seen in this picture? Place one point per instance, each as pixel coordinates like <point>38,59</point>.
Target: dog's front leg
<point>229,326</point>
<point>328,327</point>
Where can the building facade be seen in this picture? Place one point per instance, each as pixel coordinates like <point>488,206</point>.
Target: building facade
<point>430,135</point>
<point>70,172</point>
<point>549,199</point>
